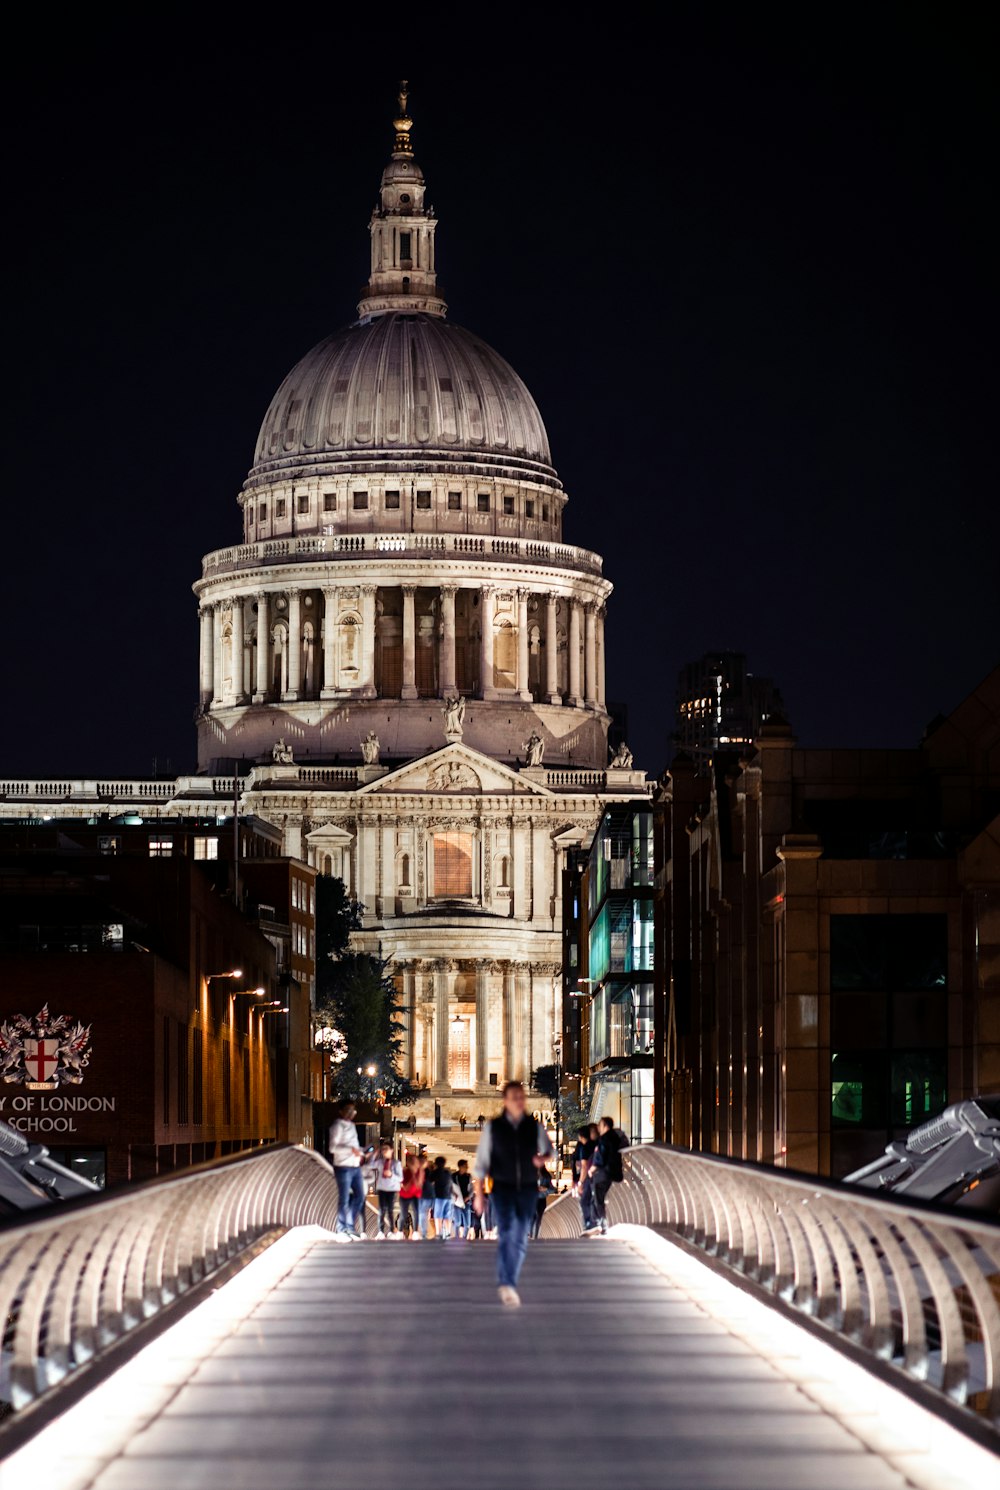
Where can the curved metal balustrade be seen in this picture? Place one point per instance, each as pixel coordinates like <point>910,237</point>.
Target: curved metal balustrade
<point>915,1288</point>
<point>75,1279</point>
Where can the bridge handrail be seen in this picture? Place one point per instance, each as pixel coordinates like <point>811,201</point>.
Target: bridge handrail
<point>912,1286</point>
<point>76,1278</point>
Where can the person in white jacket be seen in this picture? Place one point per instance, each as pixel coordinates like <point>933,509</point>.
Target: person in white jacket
<point>346,1156</point>
<point>388,1176</point>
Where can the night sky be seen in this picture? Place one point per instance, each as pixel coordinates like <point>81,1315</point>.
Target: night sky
<point>744,262</point>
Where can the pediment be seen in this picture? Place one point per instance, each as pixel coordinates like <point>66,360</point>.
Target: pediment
<point>455,770</point>
<point>329,835</point>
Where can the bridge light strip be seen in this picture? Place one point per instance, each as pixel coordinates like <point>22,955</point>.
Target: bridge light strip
<point>924,1448</point>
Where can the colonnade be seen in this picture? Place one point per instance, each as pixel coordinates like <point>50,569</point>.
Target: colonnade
<point>300,657</point>
<point>427,1005</point>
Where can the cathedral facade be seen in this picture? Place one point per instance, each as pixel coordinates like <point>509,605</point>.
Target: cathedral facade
<point>413,660</point>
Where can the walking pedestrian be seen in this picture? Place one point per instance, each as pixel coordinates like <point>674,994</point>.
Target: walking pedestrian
<point>462,1120</point>
<point>443,1203</point>
<point>409,1197</point>
<point>607,1167</point>
<point>426,1198</point>
<point>346,1157</point>
<point>462,1181</point>
<point>513,1147</point>
<point>582,1187</point>
<point>546,1187</point>
<point>388,1180</point>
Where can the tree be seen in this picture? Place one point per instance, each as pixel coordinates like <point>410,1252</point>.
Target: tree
<point>546,1081</point>
<point>356,997</point>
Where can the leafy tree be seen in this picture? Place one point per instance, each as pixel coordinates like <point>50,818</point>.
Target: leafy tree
<point>356,997</point>
<point>545,1079</point>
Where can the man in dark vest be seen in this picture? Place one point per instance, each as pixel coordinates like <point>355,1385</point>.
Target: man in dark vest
<point>513,1148</point>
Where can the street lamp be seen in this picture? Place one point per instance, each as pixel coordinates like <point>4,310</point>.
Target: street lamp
<point>250,993</point>
<point>233,972</point>
<point>371,1072</point>
<point>557,1052</point>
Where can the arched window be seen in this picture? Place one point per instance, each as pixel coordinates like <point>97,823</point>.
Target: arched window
<point>327,864</point>
<point>503,872</point>
<point>348,651</point>
<point>227,661</point>
<point>279,659</point>
<point>505,656</point>
<point>308,659</point>
<point>404,871</point>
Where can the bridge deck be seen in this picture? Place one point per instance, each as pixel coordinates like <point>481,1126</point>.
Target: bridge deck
<point>394,1365</point>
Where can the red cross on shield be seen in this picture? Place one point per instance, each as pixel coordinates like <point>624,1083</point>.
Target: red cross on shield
<point>41,1059</point>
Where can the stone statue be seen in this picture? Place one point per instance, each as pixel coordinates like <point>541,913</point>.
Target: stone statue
<point>281,753</point>
<point>622,759</point>
<point>370,748</point>
<point>454,717</point>
<point>534,748</point>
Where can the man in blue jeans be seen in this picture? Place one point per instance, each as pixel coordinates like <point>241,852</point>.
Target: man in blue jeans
<point>513,1148</point>
<point>346,1156</point>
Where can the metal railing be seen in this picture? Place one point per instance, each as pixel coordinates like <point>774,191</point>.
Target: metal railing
<point>76,1278</point>
<point>910,1287</point>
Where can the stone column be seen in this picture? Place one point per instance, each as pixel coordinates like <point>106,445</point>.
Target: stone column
<point>573,643</point>
<point>523,691</point>
<point>410,1022</point>
<point>486,689</point>
<point>329,641</point>
<point>510,1072</point>
<point>442,978</point>
<point>217,654</point>
<point>482,1071</point>
<point>447,658</point>
<point>590,655</point>
<point>601,671</point>
<point>206,658</point>
<point>409,688</point>
<point>551,651</point>
<point>522,1021</point>
<point>239,692</point>
<point>294,644</point>
<point>263,649</point>
<point>368,641</point>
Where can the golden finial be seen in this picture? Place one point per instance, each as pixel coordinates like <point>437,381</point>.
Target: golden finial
<point>403,123</point>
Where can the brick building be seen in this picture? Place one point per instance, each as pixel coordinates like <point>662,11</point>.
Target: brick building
<point>130,931</point>
<point>828,941</point>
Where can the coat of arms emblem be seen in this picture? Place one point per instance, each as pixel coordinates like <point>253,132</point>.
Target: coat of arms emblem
<point>47,1051</point>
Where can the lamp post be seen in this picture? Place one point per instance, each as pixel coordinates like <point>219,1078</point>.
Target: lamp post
<point>557,1052</point>
<point>371,1072</point>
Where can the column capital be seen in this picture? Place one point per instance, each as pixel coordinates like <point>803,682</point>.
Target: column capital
<point>369,589</point>
<point>449,588</point>
<point>551,599</point>
<point>409,589</point>
<point>292,591</point>
<point>488,589</point>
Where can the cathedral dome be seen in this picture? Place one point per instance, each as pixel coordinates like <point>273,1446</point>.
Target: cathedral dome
<point>400,386</point>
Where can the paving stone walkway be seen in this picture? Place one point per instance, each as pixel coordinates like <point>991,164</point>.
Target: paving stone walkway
<point>382,1365</point>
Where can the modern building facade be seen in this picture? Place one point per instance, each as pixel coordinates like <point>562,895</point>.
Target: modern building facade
<point>828,941</point>
<point>143,1022</point>
<point>720,705</point>
<point>608,1037</point>
<point>410,659</point>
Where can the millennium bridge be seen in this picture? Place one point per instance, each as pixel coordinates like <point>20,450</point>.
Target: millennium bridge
<point>738,1326</point>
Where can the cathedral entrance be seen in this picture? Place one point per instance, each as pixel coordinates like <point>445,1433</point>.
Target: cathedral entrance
<point>460,1053</point>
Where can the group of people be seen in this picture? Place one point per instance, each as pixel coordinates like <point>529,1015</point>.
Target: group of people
<point>597,1165</point>
<point>505,1194</point>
